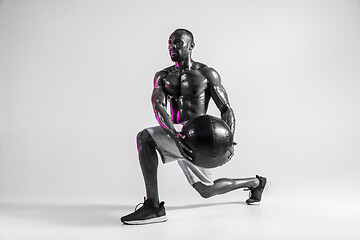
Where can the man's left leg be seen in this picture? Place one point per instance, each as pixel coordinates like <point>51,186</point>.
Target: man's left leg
<point>256,186</point>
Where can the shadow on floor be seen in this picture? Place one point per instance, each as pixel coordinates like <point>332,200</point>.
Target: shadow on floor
<point>191,206</point>
<point>66,215</point>
<point>79,215</point>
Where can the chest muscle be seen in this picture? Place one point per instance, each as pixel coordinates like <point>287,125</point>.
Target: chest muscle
<point>190,83</point>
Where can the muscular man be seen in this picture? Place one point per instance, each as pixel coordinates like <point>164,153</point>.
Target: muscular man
<point>187,87</point>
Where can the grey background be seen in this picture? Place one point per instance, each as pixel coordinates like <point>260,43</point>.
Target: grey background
<point>76,79</point>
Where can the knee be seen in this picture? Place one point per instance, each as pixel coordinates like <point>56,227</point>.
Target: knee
<point>203,190</point>
<point>144,138</point>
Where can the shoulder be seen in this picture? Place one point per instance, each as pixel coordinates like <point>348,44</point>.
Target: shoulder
<point>170,69</point>
<point>211,74</point>
<point>163,73</point>
<point>199,65</point>
<point>160,75</point>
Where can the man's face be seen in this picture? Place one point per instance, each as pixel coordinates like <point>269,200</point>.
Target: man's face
<point>179,46</point>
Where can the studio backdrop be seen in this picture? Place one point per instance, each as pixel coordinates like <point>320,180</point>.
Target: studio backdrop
<point>76,79</point>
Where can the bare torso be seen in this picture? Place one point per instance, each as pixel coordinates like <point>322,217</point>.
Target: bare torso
<point>187,92</point>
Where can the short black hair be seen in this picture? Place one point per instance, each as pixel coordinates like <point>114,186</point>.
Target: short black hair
<point>187,32</point>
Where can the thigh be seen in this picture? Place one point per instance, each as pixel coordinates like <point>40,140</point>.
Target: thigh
<point>169,152</point>
<point>195,173</point>
<point>165,145</point>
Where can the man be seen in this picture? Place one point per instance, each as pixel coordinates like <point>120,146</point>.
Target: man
<point>187,86</point>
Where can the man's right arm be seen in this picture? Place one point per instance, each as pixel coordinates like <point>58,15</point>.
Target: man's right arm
<point>159,103</point>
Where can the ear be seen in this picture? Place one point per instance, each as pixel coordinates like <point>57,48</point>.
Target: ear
<point>192,45</point>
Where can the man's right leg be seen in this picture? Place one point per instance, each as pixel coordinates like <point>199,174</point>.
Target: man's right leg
<point>152,211</point>
<point>149,164</point>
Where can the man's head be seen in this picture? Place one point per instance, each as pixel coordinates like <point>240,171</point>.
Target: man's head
<point>181,43</point>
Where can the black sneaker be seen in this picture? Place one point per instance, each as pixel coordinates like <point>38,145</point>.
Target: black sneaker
<point>255,193</point>
<point>146,214</point>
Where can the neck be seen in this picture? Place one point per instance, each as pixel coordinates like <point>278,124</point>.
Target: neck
<point>184,64</point>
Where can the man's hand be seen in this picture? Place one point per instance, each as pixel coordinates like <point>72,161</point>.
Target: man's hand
<point>185,150</point>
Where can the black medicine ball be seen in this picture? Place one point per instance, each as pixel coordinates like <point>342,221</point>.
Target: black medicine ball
<point>211,140</point>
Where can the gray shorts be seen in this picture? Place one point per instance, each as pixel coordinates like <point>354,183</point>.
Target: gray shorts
<point>169,152</point>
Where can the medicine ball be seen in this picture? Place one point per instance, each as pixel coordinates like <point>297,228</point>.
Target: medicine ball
<point>211,140</point>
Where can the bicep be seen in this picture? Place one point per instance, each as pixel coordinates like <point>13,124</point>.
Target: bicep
<point>217,91</point>
<point>158,96</point>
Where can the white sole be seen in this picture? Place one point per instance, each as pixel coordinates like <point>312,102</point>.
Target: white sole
<point>147,221</point>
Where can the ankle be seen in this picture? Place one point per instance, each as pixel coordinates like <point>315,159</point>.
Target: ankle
<point>154,202</point>
<point>255,183</point>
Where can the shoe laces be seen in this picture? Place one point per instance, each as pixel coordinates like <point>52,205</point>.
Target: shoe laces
<point>140,204</point>
<point>146,204</point>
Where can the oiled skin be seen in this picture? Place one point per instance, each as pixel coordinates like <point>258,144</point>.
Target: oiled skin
<point>188,87</point>
<point>188,93</point>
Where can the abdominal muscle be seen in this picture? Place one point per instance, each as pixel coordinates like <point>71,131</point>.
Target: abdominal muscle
<point>190,108</point>
<point>188,95</point>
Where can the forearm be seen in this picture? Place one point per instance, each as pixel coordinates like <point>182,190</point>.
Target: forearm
<point>164,120</point>
<point>166,123</point>
<point>229,117</point>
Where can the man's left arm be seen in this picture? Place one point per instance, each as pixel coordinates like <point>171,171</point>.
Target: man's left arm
<point>219,95</point>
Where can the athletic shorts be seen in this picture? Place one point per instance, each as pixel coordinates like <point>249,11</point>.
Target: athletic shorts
<point>169,152</point>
